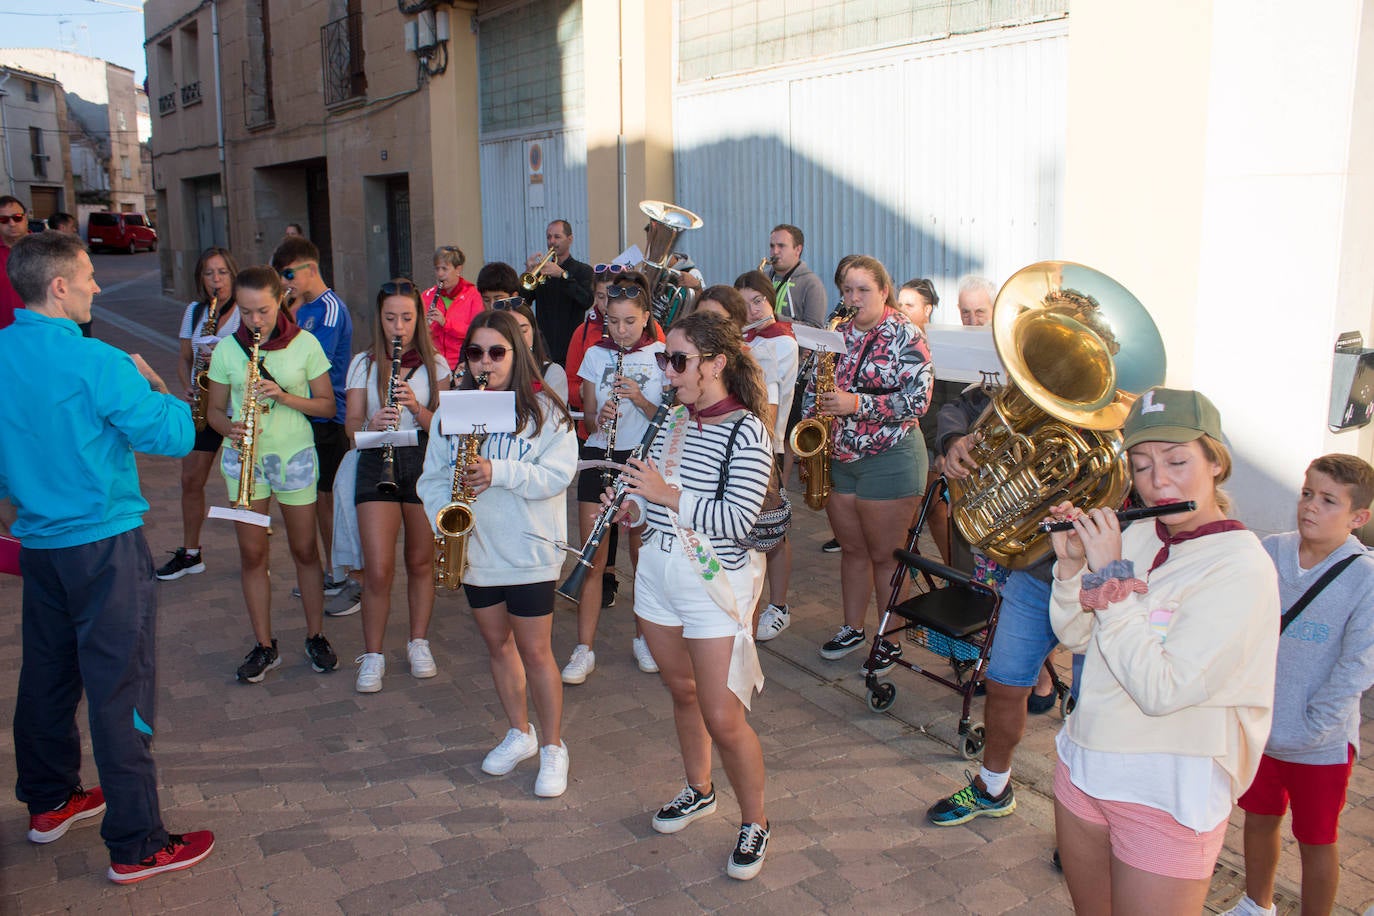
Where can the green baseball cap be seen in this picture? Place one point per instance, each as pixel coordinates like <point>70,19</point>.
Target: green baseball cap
<point>1171,415</point>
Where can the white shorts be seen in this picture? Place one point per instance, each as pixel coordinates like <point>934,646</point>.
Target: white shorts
<point>670,593</point>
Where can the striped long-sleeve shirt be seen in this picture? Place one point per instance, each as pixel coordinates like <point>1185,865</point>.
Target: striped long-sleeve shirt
<point>729,518</point>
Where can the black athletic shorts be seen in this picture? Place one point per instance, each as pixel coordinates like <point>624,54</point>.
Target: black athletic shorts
<point>532,600</point>
<point>331,442</point>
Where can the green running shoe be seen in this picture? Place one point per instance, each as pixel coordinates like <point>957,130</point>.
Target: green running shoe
<point>970,802</point>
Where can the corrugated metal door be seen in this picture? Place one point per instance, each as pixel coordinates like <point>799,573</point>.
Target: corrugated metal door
<point>940,158</point>
<point>513,219</point>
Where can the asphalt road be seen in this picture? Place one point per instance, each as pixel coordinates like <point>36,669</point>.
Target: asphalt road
<point>131,312</point>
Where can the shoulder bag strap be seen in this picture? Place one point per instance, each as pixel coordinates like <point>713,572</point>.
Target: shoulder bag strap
<point>1292,613</point>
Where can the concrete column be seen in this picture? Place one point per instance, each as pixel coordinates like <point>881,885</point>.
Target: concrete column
<point>1220,164</point>
<point>629,106</point>
<point>454,148</point>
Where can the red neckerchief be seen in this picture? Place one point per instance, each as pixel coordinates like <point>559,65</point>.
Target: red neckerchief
<point>1161,532</point>
<point>410,359</point>
<point>644,340</point>
<point>727,404</point>
<point>772,329</point>
<point>281,336</point>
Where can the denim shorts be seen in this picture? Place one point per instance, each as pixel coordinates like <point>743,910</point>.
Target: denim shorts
<point>1024,637</point>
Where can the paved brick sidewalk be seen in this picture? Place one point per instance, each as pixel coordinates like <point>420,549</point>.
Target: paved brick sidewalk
<point>327,801</point>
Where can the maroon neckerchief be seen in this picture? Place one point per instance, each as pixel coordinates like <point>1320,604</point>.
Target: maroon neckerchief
<point>410,359</point>
<point>727,404</point>
<point>281,336</point>
<point>1161,532</point>
<point>644,340</point>
<point>773,329</point>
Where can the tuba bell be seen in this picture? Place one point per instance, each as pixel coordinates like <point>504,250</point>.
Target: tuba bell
<point>668,299</point>
<point>1078,348</point>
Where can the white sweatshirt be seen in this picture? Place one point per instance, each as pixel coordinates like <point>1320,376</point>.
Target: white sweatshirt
<point>519,520</point>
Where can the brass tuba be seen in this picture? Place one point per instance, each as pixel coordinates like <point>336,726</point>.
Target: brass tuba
<point>454,521</point>
<point>1078,348</point>
<point>667,297</point>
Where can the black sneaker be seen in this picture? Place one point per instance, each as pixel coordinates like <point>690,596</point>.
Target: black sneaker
<point>681,811</point>
<point>609,587</point>
<point>750,849</point>
<point>322,657</point>
<point>831,546</point>
<point>887,653</point>
<point>259,661</point>
<point>182,563</point>
<point>844,642</point>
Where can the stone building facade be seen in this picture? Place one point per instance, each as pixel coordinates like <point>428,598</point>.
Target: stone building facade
<point>36,154</point>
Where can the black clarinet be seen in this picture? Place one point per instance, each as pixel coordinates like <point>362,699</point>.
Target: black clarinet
<point>572,588</point>
<point>1129,515</point>
<point>386,484</point>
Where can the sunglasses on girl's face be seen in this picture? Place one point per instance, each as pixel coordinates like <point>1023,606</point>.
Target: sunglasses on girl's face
<point>609,268</point>
<point>508,305</point>
<point>678,360</point>
<point>629,292</point>
<point>403,288</point>
<point>475,353</point>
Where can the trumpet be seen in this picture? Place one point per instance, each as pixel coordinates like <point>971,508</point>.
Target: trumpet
<point>534,278</point>
<point>251,411</point>
<point>455,520</point>
<point>200,370</point>
<point>572,587</point>
<point>386,483</point>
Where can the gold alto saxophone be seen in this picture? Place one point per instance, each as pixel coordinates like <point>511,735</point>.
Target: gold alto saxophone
<point>250,413</point>
<point>811,438</point>
<point>455,520</point>
<point>200,370</point>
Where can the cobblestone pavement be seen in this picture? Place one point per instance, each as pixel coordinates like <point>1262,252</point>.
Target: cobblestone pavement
<point>327,801</point>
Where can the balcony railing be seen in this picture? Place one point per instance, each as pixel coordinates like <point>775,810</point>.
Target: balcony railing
<point>341,49</point>
<point>190,94</point>
<point>166,104</point>
<point>257,95</point>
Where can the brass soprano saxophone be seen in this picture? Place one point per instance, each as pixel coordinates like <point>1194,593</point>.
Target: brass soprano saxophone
<point>455,520</point>
<point>386,481</point>
<point>200,370</point>
<point>250,412</point>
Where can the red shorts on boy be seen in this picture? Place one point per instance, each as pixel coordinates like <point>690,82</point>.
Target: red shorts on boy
<point>1317,793</point>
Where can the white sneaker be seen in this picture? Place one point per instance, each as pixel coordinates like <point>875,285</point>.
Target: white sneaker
<point>582,663</point>
<point>552,780</point>
<point>371,667</point>
<point>421,659</point>
<point>515,747</point>
<point>772,621</point>
<point>1247,907</point>
<point>644,657</point>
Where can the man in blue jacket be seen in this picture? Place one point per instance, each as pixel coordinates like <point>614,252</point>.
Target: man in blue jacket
<point>74,412</point>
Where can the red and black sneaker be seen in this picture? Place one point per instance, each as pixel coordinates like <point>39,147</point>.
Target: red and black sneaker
<point>181,851</point>
<point>51,825</point>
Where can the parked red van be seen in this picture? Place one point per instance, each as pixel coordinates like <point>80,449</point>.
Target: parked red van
<point>120,232</point>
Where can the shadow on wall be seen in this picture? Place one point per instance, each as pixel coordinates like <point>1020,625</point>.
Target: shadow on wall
<point>744,187</point>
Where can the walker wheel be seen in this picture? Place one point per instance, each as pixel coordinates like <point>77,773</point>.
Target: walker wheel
<point>880,698</point>
<point>973,742</point>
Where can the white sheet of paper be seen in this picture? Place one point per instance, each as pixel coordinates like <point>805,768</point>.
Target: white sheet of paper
<point>962,354</point>
<point>379,437</point>
<point>207,340</point>
<point>461,412</point>
<point>241,515</point>
<point>809,338</point>
<point>630,257</point>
